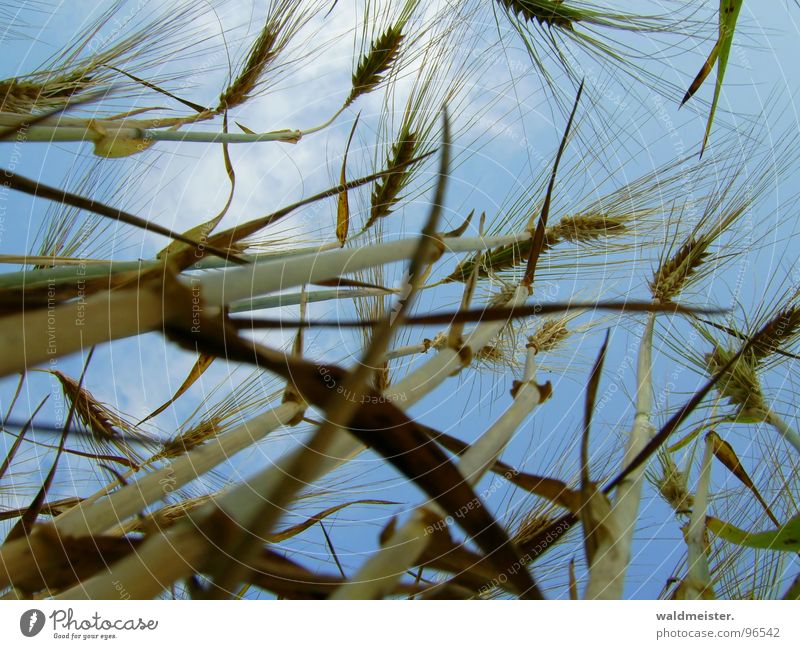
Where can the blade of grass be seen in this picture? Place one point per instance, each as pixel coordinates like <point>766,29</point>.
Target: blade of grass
<point>342,202</point>
<point>538,237</point>
<point>20,437</point>
<point>727,456</point>
<point>34,188</point>
<point>28,519</point>
<point>486,314</point>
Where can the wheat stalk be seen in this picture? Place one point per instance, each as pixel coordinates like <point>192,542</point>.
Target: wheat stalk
<point>374,65</point>
<point>674,274</point>
<point>545,12</point>
<point>262,53</point>
<point>672,485</point>
<point>579,229</point>
<point>740,384</point>
<point>387,192</point>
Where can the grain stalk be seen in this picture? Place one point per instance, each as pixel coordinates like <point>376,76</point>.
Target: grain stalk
<point>161,552</point>
<point>576,229</point>
<point>697,584</point>
<point>402,549</point>
<point>607,574</point>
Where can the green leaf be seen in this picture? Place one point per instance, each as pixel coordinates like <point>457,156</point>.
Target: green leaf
<point>728,15</point>
<point>786,538</point>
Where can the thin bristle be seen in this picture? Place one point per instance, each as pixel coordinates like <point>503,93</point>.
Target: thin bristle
<point>531,526</point>
<point>490,354</point>
<point>373,66</point>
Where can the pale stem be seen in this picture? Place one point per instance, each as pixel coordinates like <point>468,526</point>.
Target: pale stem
<point>291,299</point>
<point>787,432</point>
<point>184,540</point>
<point>35,336</point>
<point>607,574</point>
<point>382,571</point>
<point>698,579</point>
<point>95,130</point>
<point>224,286</point>
<point>135,496</point>
<point>31,338</point>
<point>68,270</point>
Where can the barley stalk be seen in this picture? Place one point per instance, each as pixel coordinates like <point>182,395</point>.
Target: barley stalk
<point>607,575</point>
<point>545,12</point>
<point>386,194</point>
<point>579,229</point>
<point>697,584</point>
<point>673,275</point>
<point>400,552</point>
<point>374,65</point>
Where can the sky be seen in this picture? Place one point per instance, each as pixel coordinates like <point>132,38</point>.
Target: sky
<point>511,141</point>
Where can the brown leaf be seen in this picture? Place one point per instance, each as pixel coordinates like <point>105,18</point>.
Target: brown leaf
<point>35,188</point>
<point>377,423</point>
<point>550,489</point>
<point>231,237</point>
<point>201,365</point>
<point>470,570</point>
<point>727,456</point>
<point>342,204</point>
<point>703,74</point>
<point>573,582</point>
<point>461,229</point>
<point>29,516</point>
<point>294,530</point>
<point>12,452</point>
<point>201,232</point>
<point>539,234</point>
<point>62,561</point>
<point>486,314</point>
<point>49,509</point>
